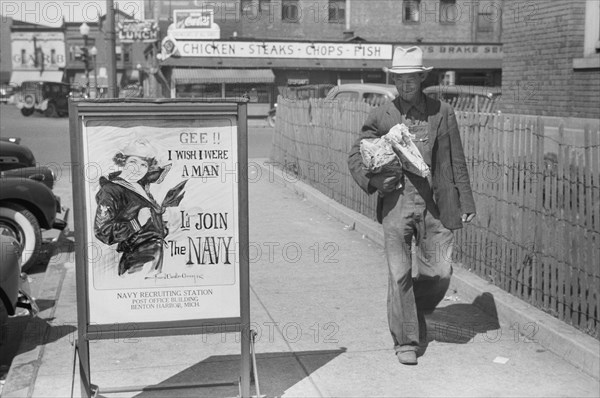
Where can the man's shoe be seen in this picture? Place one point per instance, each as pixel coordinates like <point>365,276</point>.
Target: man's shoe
<point>407,357</point>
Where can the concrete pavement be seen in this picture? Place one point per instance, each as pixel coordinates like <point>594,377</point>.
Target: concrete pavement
<point>318,302</point>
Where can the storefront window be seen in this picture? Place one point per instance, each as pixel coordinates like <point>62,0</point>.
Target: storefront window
<point>290,11</point>
<point>198,90</point>
<point>337,11</point>
<point>448,11</point>
<point>411,10</point>
<point>257,92</point>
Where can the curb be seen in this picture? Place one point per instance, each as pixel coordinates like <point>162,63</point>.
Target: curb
<point>572,345</point>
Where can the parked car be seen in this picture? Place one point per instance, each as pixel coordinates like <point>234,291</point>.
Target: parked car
<point>467,98</point>
<point>49,98</point>
<point>27,203</point>
<point>372,93</point>
<point>14,284</point>
<point>299,93</point>
<point>6,92</point>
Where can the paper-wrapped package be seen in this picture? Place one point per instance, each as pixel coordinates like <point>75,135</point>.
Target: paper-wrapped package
<point>402,143</point>
<point>379,156</point>
<point>377,153</point>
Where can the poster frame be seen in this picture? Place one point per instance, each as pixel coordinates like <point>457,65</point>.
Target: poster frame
<point>193,109</point>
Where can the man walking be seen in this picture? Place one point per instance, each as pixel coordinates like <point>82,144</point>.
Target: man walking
<point>423,209</point>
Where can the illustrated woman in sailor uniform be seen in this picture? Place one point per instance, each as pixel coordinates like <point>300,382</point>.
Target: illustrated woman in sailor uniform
<point>128,215</point>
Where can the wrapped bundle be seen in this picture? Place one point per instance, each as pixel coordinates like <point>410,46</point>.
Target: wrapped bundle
<point>378,154</point>
<point>401,141</point>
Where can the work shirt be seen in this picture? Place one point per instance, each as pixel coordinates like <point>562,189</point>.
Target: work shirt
<point>415,118</point>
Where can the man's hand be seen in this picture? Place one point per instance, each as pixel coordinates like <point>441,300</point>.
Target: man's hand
<point>386,181</point>
<point>467,217</point>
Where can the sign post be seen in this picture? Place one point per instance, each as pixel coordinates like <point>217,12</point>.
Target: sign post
<point>161,210</point>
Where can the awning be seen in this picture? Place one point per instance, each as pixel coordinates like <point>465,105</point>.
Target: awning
<point>199,76</point>
<point>323,64</point>
<point>276,63</point>
<point>80,80</point>
<point>20,76</point>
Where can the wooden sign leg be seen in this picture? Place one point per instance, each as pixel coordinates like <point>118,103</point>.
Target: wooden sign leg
<point>245,365</point>
<point>82,346</point>
<point>254,374</point>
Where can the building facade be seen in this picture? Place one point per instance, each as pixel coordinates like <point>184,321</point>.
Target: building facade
<point>37,53</point>
<point>129,56</point>
<point>56,53</point>
<point>551,63</point>
<point>279,43</point>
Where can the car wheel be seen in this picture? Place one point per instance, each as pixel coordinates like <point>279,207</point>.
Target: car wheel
<point>27,111</point>
<point>26,229</point>
<point>271,120</point>
<point>50,110</point>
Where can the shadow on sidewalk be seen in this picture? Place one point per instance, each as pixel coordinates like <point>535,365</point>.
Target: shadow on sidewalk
<point>43,331</point>
<point>459,323</point>
<point>277,372</point>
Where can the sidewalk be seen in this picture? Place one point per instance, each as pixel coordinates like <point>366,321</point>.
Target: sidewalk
<point>318,301</point>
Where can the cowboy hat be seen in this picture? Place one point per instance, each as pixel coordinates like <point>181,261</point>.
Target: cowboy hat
<point>407,60</point>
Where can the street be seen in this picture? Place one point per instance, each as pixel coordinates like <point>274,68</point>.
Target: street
<point>48,139</point>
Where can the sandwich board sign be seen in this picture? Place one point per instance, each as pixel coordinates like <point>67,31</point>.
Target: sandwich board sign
<point>161,218</point>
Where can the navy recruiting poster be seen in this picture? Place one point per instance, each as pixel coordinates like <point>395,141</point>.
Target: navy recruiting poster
<point>161,212</point>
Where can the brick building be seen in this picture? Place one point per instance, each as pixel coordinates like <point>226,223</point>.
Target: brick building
<point>551,64</point>
<point>37,52</point>
<point>278,43</point>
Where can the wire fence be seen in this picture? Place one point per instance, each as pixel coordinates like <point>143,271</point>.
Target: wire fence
<point>537,230</point>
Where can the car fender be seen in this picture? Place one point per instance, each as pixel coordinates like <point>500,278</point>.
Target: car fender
<point>10,271</point>
<point>41,174</point>
<point>32,194</point>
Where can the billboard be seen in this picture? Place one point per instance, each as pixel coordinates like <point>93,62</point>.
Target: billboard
<point>159,215</point>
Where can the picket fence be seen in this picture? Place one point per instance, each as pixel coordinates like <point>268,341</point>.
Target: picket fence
<point>537,230</point>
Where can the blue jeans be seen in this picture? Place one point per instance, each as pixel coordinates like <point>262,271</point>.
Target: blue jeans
<point>411,212</point>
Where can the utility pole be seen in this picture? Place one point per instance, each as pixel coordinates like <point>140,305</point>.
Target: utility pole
<point>111,58</point>
<point>154,86</point>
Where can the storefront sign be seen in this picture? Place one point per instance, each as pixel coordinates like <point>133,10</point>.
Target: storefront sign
<point>44,50</point>
<point>262,49</point>
<point>466,51</point>
<point>131,31</point>
<point>194,24</point>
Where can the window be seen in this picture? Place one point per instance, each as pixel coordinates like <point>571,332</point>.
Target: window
<point>337,11</point>
<point>256,92</point>
<point>485,21</point>
<point>198,91</point>
<point>254,8</point>
<point>591,38</point>
<point>264,6</point>
<point>53,57</point>
<point>374,99</point>
<point>347,96</point>
<point>448,11</point>
<point>249,8</point>
<point>411,10</point>
<point>591,42</point>
<point>290,11</point>
<point>23,57</point>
